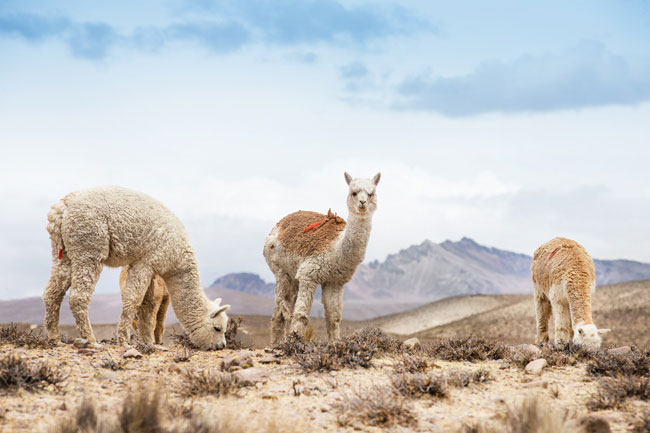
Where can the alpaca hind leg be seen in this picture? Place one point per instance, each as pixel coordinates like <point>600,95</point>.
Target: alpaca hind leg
<point>333,303</point>
<point>59,283</point>
<point>300,317</point>
<point>146,316</point>
<point>84,278</point>
<point>543,312</point>
<point>562,323</point>
<point>161,314</point>
<point>283,308</point>
<point>137,283</point>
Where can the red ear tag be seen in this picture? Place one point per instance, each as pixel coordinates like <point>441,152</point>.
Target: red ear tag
<point>60,253</point>
<point>553,253</point>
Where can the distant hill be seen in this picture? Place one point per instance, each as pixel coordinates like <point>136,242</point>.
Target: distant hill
<point>430,271</point>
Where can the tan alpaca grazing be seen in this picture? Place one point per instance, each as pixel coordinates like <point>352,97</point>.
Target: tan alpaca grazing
<point>563,279</point>
<point>153,308</point>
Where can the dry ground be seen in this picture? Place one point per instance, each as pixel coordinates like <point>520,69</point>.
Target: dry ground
<point>290,399</point>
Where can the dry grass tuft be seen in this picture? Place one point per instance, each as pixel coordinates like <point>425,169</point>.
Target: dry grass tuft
<point>534,416</point>
<point>436,385</point>
<point>470,348</point>
<point>16,373</point>
<point>376,406</point>
<point>182,339</point>
<point>356,350</point>
<point>642,423</point>
<point>144,348</point>
<point>111,364</point>
<point>30,338</point>
<point>612,392</point>
<point>183,356</point>
<point>149,412</point>
<point>635,363</point>
<point>412,364</point>
<point>569,354</point>
<point>210,382</point>
<point>419,384</point>
<point>84,419</point>
<point>234,323</point>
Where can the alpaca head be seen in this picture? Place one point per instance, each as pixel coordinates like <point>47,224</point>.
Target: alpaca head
<point>588,336</point>
<point>212,333</point>
<point>362,198</point>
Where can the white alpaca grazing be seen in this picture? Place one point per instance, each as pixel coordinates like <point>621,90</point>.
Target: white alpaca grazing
<point>563,277</point>
<point>308,249</point>
<point>115,227</point>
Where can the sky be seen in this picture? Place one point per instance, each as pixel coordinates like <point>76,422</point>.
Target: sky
<point>507,122</point>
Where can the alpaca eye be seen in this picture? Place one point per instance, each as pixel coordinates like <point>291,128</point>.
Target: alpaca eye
<point>354,194</point>
<point>216,328</point>
<point>370,194</point>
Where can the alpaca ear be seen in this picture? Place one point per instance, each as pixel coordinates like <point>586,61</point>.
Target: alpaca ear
<point>219,311</point>
<point>217,301</point>
<point>603,331</point>
<point>376,178</point>
<point>348,178</point>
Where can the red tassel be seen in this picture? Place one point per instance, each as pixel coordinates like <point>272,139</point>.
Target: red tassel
<point>60,253</point>
<point>313,226</point>
<point>553,253</point>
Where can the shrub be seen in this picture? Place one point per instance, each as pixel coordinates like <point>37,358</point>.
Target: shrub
<point>612,392</point>
<point>30,338</point>
<point>15,373</point>
<point>376,406</point>
<point>210,382</point>
<point>470,348</point>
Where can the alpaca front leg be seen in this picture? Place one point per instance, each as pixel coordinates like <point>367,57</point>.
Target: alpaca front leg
<point>84,278</point>
<point>543,312</point>
<point>300,317</point>
<point>562,323</point>
<point>136,287</point>
<point>333,303</point>
<point>59,283</point>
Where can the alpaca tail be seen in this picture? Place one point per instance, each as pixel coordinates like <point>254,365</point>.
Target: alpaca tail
<point>54,225</point>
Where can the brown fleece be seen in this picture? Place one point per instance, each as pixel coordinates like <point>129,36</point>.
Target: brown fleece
<point>154,304</point>
<point>294,238</point>
<point>566,260</point>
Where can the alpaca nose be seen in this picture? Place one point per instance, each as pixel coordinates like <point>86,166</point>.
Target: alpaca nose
<point>362,202</point>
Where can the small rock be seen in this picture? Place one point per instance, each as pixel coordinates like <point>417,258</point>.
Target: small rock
<point>623,350</point>
<point>252,375</point>
<point>80,342</point>
<point>536,384</point>
<point>333,373</point>
<point>529,348</point>
<point>238,360</point>
<point>63,406</point>
<point>268,350</point>
<point>161,347</point>
<point>412,343</point>
<point>535,367</point>
<point>87,351</point>
<point>132,353</point>
<point>259,385</point>
<point>109,375</point>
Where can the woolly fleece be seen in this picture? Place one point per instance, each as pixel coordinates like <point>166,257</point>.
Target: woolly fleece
<point>115,226</point>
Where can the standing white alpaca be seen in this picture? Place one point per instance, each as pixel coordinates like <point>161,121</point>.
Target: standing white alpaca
<point>563,277</point>
<point>115,226</point>
<point>307,249</point>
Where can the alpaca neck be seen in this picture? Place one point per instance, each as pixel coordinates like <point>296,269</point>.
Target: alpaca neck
<point>355,239</point>
<point>188,299</point>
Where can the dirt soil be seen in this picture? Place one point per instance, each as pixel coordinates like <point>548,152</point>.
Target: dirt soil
<point>306,400</point>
